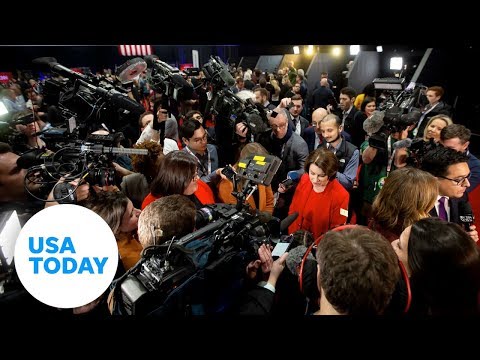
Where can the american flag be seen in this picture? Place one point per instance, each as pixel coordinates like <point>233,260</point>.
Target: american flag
<point>135,50</point>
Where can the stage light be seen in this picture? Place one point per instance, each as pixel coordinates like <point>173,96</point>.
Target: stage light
<point>379,48</point>
<point>354,49</point>
<point>396,63</point>
<point>336,51</point>
<point>296,50</point>
<point>309,50</point>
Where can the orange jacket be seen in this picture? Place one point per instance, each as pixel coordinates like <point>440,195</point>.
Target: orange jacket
<point>265,196</point>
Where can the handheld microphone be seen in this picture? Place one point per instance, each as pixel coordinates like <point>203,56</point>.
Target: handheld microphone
<point>285,223</point>
<point>465,214</point>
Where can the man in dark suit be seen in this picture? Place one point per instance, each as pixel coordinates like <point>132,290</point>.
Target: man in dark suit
<point>451,169</point>
<point>295,106</point>
<point>346,110</point>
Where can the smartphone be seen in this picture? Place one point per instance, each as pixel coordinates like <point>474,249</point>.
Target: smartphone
<point>229,172</point>
<point>281,248</point>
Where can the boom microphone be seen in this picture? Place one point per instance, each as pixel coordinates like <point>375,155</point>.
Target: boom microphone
<point>285,223</point>
<point>59,69</point>
<point>465,214</point>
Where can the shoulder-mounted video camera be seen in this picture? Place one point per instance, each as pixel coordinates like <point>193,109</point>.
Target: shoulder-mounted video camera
<point>88,100</point>
<point>383,123</point>
<point>168,80</point>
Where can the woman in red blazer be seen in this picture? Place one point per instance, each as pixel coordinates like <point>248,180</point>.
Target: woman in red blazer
<point>320,200</point>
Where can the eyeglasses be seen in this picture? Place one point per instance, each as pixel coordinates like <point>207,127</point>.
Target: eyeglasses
<point>458,182</point>
<point>279,127</point>
<point>199,140</point>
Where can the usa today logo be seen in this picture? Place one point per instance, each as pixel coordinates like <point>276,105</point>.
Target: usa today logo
<point>66,256</point>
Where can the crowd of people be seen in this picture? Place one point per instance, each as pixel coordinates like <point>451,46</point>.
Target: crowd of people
<point>409,233</point>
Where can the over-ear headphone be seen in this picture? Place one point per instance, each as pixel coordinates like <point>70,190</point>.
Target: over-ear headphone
<point>344,227</point>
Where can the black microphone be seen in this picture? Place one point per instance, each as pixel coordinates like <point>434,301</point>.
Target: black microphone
<point>60,69</point>
<point>465,214</point>
<point>285,223</point>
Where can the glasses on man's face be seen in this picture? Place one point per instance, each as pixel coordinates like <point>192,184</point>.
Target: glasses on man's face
<point>199,140</point>
<point>278,127</point>
<point>458,182</point>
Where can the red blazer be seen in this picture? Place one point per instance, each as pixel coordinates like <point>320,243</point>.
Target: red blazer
<point>204,194</point>
<point>319,212</point>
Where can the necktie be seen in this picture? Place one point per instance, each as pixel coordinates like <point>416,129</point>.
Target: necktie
<point>442,212</point>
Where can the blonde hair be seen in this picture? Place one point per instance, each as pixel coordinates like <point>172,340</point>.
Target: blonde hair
<point>443,117</point>
<point>407,196</point>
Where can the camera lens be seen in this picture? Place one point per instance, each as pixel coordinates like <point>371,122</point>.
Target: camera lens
<point>203,217</point>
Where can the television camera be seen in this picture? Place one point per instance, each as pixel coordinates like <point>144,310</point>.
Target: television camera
<point>200,265</point>
<point>168,80</point>
<point>85,102</point>
<point>89,160</point>
<point>408,98</point>
<point>383,123</point>
<point>224,104</point>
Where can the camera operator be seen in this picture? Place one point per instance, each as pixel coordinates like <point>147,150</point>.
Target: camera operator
<point>379,159</point>
<point>12,185</point>
<point>283,142</point>
<point>457,137</point>
<point>157,128</point>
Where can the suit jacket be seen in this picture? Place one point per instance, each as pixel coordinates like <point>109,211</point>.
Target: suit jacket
<point>453,204</point>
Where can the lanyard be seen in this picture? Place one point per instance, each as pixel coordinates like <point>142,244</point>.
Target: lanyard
<point>391,156</point>
<point>209,161</point>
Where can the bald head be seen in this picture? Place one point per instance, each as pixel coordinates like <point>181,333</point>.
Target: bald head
<point>317,117</point>
<point>319,114</point>
<point>324,82</point>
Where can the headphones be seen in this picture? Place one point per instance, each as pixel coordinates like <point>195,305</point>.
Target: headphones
<point>403,271</point>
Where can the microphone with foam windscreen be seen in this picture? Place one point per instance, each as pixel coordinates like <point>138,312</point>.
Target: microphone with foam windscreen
<point>405,143</point>
<point>374,123</point>
<point>465,214</point>
<point>285,223</point>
